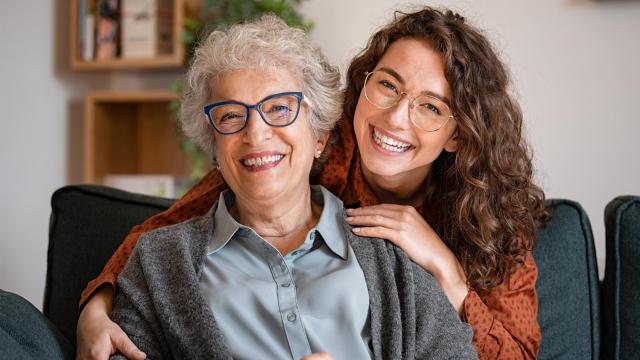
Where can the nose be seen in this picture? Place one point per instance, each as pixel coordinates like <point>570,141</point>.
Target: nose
<point>397,116</point>
<point>256,130</point>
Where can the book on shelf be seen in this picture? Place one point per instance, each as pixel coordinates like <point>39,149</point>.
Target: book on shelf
<point>127,29</point>
<point>86,29</point>
<point>146,28</point>
<point>89,37</point>
<point>107,29</point>
<point>154,185</point>
<point>82,13</point>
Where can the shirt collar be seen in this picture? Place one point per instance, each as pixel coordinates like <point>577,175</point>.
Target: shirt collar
<point>329,225</point>
<point>225,225</point>
<point>330,222</point>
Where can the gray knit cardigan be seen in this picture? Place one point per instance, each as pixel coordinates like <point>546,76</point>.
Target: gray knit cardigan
<point>160,306</point>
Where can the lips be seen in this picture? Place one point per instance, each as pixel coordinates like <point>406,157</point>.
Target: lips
<point>261,161</point>
<point>389,143</point>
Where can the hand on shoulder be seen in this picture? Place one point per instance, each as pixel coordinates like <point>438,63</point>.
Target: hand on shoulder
<point>403,226</point>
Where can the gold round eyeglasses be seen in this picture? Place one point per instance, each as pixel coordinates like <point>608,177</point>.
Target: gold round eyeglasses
<point>426,112</point>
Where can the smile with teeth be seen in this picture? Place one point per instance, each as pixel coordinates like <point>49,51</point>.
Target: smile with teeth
<point>388,143</point>
<point>263,160</point>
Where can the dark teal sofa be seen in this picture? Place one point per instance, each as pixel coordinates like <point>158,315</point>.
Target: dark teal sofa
<point>88,222</point>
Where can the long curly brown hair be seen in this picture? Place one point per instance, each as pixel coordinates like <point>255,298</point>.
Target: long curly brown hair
<point>481,199</point>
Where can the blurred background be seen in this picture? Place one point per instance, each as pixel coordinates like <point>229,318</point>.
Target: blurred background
<point>575,67</point>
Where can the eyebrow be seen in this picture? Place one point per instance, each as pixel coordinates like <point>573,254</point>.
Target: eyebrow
<point>400,79</point>
<point>393,73</point>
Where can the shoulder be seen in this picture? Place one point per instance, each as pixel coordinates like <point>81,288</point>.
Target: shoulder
<point>379,255</point>
<point>168,255</point>
<point>190,233</point>
<point>384,263</point>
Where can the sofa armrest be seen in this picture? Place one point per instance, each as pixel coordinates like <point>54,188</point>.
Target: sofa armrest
<point>568,288</point>
<point>621,285</point>
<point>87,224</point>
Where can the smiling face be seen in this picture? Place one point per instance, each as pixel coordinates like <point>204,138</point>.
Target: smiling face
<point>392,148</point>
<point>262,162</point>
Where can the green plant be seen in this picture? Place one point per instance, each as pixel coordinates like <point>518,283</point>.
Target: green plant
<point>215,13</point>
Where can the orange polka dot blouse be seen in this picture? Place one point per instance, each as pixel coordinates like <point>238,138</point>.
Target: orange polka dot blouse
<point>504,320</point>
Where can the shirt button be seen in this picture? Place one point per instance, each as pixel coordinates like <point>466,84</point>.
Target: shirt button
<point>286,284</point>
<point>292,317</point>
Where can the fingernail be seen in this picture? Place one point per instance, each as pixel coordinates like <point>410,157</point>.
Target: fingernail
<point>355,230</point>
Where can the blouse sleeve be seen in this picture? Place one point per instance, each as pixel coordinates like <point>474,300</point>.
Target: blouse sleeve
<point>504,319</point>
<point>195,202</point>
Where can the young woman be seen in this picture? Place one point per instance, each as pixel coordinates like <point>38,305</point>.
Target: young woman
<point>440,168</point>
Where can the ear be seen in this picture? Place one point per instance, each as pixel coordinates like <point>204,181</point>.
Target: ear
<point>452,144</point>
<point>322,140</point>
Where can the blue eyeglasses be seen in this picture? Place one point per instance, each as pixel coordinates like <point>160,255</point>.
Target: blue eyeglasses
<point>277,110</point>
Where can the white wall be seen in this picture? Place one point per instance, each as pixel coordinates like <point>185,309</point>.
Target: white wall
<point>32,143</point>
<point>575,66</point>
<point>41,131</point>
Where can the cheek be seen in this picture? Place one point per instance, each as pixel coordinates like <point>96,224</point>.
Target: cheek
<point>431,146</point>
<point>223,151</point>
<point>359,118</point>
<point>299,141</point>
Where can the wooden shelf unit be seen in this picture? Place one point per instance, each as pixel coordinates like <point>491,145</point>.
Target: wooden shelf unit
<point>173,60</point>
<point>131,133</point>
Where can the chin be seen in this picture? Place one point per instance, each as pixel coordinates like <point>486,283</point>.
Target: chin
<point>266,192</point>
<point>381,167</point>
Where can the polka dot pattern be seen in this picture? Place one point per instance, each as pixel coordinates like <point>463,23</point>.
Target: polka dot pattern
<point>504,320</point>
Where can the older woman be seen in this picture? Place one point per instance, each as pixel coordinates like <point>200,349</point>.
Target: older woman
<point>273,271</point>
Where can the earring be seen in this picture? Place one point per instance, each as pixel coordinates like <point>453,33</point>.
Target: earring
<point>318,153</point>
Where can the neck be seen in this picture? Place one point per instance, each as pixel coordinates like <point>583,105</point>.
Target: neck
<point>403,189</point>
<point>283,222</point>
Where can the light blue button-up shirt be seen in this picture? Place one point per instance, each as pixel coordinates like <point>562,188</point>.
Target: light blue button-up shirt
<point>268,306</point>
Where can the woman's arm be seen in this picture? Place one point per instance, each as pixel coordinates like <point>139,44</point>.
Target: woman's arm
<point>97,335</point>
<point>504,320</point>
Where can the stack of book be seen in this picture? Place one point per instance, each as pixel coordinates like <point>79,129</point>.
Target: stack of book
<point>126,29</point>
<point>153,185</point>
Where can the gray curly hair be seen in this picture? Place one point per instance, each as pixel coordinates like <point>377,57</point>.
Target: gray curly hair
<point>264,43</point>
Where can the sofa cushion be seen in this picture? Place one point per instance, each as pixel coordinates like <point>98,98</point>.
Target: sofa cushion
<point>567,285</point>
<point>87,224</point>
<point>26,334</point>
<point>621,286</point>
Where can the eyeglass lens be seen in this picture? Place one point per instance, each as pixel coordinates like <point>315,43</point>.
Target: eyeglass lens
<point>276,111</point>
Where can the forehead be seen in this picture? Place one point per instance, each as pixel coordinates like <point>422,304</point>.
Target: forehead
<point>421,67</point>
<point>252,85</point>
